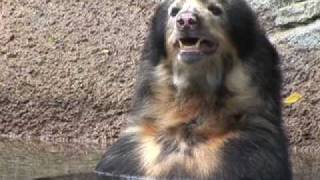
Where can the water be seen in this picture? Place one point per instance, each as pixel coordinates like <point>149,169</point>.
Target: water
<point>306,166</point>
<point>20,160</point>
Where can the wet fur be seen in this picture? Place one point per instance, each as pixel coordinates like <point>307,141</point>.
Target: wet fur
<point>224,124</point>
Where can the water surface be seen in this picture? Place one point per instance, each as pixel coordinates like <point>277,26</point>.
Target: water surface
<point>28,160</point>
<point>24,160</point>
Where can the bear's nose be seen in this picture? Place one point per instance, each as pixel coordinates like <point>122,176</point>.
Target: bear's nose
<point>187,20</point>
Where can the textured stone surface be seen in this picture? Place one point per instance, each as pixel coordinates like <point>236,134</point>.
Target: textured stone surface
<point>299,47</point>
<point>306,37</point>
<point>298,13</point>
<point>301,74</point>
<point>67,68</point>
<point>262,4</point>
<point>271,4</point>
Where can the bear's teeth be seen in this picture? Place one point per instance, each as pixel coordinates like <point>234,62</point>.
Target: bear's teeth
<point>183,46</point>
<point>198,44</point>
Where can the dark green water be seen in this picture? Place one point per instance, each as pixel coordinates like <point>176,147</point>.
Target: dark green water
<point>20,160</point>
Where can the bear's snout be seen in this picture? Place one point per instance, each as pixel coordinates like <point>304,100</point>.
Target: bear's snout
<point>187,21</point>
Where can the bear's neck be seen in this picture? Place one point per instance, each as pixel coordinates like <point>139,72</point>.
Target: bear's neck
<point>214,92</point>
<point>206,85</point>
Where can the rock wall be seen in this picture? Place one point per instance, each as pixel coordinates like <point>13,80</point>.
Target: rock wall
<point>67,67</point>
<point>294,28</point>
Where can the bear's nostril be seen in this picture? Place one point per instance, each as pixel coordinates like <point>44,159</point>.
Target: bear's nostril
<point>180,22</point>
<point>192,21</point>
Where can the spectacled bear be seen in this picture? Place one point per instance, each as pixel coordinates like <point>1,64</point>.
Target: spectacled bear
<point>207,102</point>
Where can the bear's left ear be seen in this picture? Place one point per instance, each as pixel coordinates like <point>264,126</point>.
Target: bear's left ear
<point>155,47</point>
<point>243,27</point>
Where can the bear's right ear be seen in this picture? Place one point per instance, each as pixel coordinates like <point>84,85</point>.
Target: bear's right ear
<point>155,46</point>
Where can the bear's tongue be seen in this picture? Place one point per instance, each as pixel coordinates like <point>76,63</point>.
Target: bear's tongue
<point>196,45</point>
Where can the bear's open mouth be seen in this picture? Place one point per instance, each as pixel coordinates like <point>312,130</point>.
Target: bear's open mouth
<point>196,45</point>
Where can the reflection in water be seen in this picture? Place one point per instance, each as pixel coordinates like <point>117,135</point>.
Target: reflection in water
<point>94,176</point>
<point>20,160</point>
<point>85,176</point>
<point>306,166</point>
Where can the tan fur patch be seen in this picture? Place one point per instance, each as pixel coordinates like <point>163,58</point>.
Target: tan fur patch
<point>245,95</point>
<point>165,106</point>
<point>203,161</point>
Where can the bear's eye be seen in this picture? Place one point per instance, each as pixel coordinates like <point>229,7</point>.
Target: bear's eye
<point>215,10</point>
<point>174,11</point>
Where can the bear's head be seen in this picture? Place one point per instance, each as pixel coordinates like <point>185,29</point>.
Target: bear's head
<point>198,40</point>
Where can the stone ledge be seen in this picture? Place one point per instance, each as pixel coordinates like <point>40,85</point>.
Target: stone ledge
<point>306,37</point>
<point>298,13</point>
